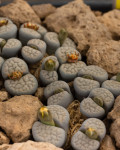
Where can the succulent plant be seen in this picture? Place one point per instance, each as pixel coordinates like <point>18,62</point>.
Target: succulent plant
<point>62,36</point>
<point>50,65</point>
<point>98,101</point>
<point>45,116</point>
<point>2,44</point>
<point>91,133</point>
<point>118,77</point>
<point>58,91</point>
<point>3,22</point>
<point>86,76</point>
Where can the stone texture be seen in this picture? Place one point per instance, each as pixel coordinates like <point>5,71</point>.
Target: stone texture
<point>107,144</point>
<point>80,22</point>
<point>3,96</point>
<point>105,54</point>
<point>4,139</point>
<point>43,10</point>
<point>17,116</point>
<point>115,131</point>
<point>115,113</point>
<point>111,19</point>
<point>30,145</point>
<point>19,12</point>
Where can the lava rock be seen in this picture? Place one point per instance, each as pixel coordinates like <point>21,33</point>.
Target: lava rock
<point>84,32</point>
<point>30,145</point>
<point>105,54</point>
<point>43,10</point>
<point>17,116</point>
<point>107,144</point>
<point>111,20</point>
<point>4,139</point>
<point>19,11</point>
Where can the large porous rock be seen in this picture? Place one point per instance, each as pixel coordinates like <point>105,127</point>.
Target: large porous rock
<point>107,144</point>
<point>43,10</point>
<point>17,116</point>
<point>111,19</point>
<point>80,22</point>
<point>115,131</point>
<point>19,12</point>
<point>105,54</point>
<point>4,139</point>
<point>115,113</point>
<point>30,145</point>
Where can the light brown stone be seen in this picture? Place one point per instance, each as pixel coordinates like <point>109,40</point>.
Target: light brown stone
<point>115,113</point>
<point>107,144</point>
<point>105,54</point>
<point>40,94</point>
<point>19,11</point>
<point>17,116</point>
<point>111,19</point>
<point>43,10</point>
<point>3,96</point>
<point>80,22</point>
<point>4,139</point>
<point>30,145</point>
<point>115,131</point>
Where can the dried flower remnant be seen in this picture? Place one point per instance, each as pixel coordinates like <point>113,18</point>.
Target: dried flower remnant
<point>3,22</point>
<point>91,133</point>
<point>31,26</point>
<point>72,58</point>
<point>15,75</point>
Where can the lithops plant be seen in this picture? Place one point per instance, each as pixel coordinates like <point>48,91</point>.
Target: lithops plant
<point>30,31</point>
<point>96,72</point>
<point>1,62</point>
<point>34,51</point>
<point>97,105</point>
<point>69,71</point>
<point>55,41</point>
<point>55,87</point>
<point>83,86</point>
<point>60,97</point>
<point>18,81</point>
<point>53,125</point>
<point>9,48</point>
<point>48,74</point>
<point>7,28</point>
<point>47,77</point>
<point>89,135</point>
<point>50,63</point>
<point>67,54</point>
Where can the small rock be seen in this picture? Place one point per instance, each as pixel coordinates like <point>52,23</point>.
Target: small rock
<point>111,20</point>
<point>97,13</point>
<point>105,54</point>
<point>19,11</point>
<point>84,32</point>
<point>30,145</point>
<point>4,139</point>
<point>115,131</point>
<point>17,116</point>
<point>43,10</point>
<point>107,144</point>
<point>3,96</point>
<point>115,113</point>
